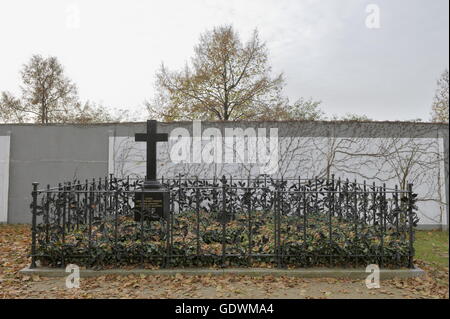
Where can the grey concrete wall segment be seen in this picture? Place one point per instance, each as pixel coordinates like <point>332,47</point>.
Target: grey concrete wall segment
<point>50,154</point>
<point>53,153</point>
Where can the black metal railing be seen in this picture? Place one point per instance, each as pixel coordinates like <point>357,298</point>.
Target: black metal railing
<point>225,222</point>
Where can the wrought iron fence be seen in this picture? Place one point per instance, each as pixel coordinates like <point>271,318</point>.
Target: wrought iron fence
<point>225,222</point>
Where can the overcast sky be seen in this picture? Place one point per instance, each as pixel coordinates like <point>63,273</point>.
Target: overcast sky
<point>112,49</point>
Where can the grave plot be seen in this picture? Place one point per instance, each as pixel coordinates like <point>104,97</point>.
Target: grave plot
<point>224,222</point>
<point>221,222</point>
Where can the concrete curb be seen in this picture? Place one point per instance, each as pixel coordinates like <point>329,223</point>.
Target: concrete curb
<point>339,273</point>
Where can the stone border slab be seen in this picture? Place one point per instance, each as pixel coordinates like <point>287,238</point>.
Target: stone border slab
<point>339,273</point>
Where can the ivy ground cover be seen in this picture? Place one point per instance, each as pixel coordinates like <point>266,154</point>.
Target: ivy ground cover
<point>204,240</point>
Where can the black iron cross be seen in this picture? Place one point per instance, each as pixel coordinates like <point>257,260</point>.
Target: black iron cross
<point>151,137</point>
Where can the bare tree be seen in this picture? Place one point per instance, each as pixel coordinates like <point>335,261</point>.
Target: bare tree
<point>351,117</point>
<point>348,155</point>
<point>88,112</point>
<point>46,92</point>
<point>48,96</point>
<point>439,108</point>
<point>226,80</point>
<point>302,109</point>
<point>11,109</point>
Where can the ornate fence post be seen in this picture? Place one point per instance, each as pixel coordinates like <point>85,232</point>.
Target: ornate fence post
<point>250,225</point>
<point>179,194</point>
<point>141,223</point>
<point>330,214</point>
<point>116,222</point>
<point>277,226</point>
<point>224,216</point>
<point>197,214</point>
<point>78,207</point>
<point>355,208</point>
<point>265,193</point>
<point>411,229</point>
<point>365,201</point>
<point>86,202</point>
<point>34,194</point>
<point>46,216</point>
<point>381,225</point>
<point>69,206</point>
<point>305,222</point>
<point>169,237</point>
<point>90,215</point>
<point>316,206</point>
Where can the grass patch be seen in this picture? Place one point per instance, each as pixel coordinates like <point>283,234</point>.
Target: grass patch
<point>432,247</point>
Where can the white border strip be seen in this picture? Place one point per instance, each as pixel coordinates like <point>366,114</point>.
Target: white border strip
<point>4,176</point>
<point>111,141</point>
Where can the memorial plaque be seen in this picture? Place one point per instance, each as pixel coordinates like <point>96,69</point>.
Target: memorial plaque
<point>154,204</point>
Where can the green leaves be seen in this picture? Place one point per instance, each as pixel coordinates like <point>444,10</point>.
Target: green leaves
<point>345,245</point>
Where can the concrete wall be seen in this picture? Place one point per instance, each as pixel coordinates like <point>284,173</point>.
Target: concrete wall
<point>55,153</point>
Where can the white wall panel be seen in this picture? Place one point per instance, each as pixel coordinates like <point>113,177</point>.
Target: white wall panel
<point>4,177</point>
